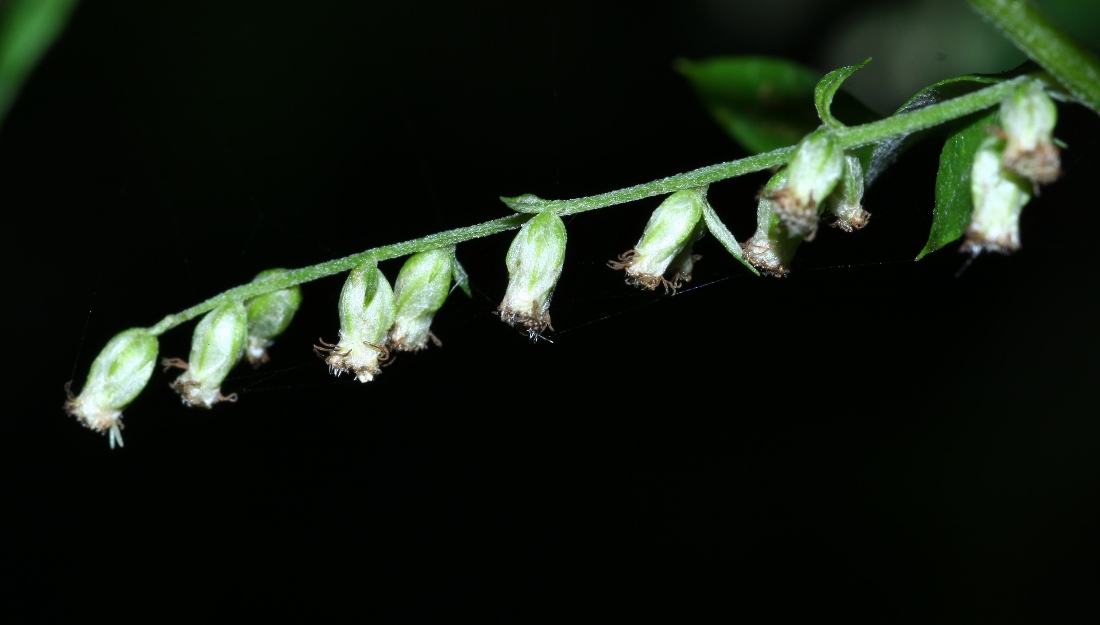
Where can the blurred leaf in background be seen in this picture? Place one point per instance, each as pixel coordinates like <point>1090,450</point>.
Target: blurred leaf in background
<point>27,28</point>
<point>919,42</point>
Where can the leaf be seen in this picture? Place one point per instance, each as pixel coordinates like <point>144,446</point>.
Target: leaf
<point>951,215</point>
<point>27,28</point>
<point>724,236</point>
<point>827,88</point>
<point>886,152</point>
<point>763,103</point>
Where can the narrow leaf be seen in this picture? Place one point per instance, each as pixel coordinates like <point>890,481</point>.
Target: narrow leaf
<point>886,152</point>
<point>951,215</point>
<point>826,89</point>
<point>724,236</point>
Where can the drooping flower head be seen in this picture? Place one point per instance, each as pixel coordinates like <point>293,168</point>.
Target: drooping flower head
<point>117,376</point>
<point>663,255</point>
<point>773,245</point>
<point>999,196</point>
<point>813,173</point>
<point>846,200</point>
<point>535,261</point>
<point>1028,116</point>
<point>216,347</point>
<point>421,289</point>
<point>367,311</point>
<point>269,315</point>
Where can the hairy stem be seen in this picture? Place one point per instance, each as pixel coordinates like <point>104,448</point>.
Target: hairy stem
<point>850,137</point>
<point>1077,69</point>
<point>526,205</point>
<point>339,265</point>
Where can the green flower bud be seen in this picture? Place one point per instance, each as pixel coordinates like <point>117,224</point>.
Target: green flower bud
<point>534,264</point>
<point>812,174</point>
<point>269,315</point>
<point>773,245</point>
<point>118,374</point>
<point>999,196</point>
<point>216,347</point>
<point>1028,116</point>
<point>665,246</point>
<point>367,311</point>
<point>421,288</point>
<point>846,201</point>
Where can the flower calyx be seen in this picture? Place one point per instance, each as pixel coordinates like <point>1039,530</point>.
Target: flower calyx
<point>216,347</point>
<point>999,196</point>
<point>846,200</point>
<point>367,310</point>
<point>663,255</point>
<point>813,173</point>
<point>1028,116</point>
<point>269,315</point>
<point>421,289</point>
<point>117,376</point>
<point>534,261</point>
<point>772,246</point>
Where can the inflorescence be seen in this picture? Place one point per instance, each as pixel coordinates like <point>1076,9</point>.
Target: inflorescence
<point>376,319</point>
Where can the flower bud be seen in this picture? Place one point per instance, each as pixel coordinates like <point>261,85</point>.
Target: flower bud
<point>665,246</point>
<point>1028,116</point>
<point>773,245</point>
<point>117,375</point>
<point>846,201</point>
<point>534,264</point>
<point>216,347</point>
<point>812,174</point>
<point>998,196</point>
<point>421,288</point>
<point>367,312</point>
<point>269,315</point>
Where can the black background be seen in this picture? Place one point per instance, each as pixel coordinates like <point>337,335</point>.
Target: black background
<point>866,410</point>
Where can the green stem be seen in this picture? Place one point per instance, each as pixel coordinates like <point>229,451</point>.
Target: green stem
<point>851,137</point>
<point>339,265</point>
<point>1077,69</point>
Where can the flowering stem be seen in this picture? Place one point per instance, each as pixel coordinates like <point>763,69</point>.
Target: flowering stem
<point>527,205</point>
<point>1077,69</point>
<point>848,138</point>
<point>339,265</point>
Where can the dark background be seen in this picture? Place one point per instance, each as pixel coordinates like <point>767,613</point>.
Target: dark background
<point>866,410</point>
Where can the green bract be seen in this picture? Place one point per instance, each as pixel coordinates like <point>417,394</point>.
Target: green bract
<point>665,246</point>
<point>421,288</point>
<point>999,197</point>
<point>1028,116</point>
<point>216,347</point>
<point>534,261</point>
<point>367,311</point>
<point>773,245</point>
<point>117,375</point>
<point>269,315</point>
<point>812,175</point>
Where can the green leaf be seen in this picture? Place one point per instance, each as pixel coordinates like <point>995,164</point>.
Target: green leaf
<point>951,215</point>
<point>27,28</point>
<point>763,103</point>
<point>886,152</point>
<point>724,236</point>
<point>827,88</point>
